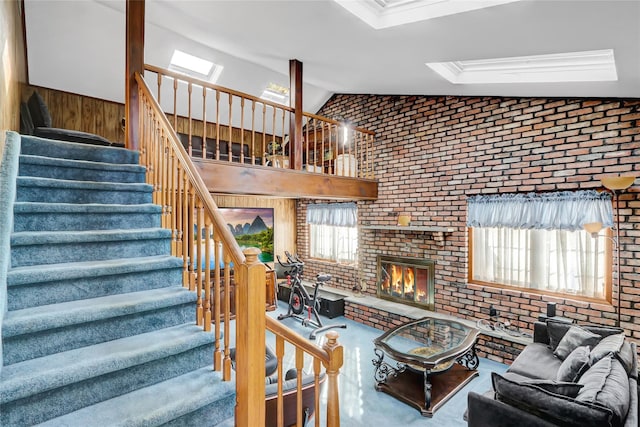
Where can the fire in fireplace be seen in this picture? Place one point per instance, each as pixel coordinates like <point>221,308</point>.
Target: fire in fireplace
<point>407,280</point>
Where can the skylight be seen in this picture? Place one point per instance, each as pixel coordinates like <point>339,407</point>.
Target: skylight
<point>276,93</point>
<point>194,66</point>
<point>390,13</point>
<point>587,66</point>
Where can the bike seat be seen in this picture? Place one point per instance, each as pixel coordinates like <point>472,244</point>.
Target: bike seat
<point>323,277</point>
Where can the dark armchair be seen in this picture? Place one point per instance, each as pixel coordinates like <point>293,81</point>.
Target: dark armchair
<point>289,391</point>
<point>35,120</point>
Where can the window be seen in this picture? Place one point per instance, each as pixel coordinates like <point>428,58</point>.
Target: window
<point>537,242</point>
<point>333,243</point>
<point>333,232</point>
<point>556,261</point>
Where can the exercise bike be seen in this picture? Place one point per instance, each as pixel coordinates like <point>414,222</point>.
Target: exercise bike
<point>300,299</point>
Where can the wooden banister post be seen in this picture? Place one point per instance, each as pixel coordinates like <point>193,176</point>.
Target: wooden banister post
<point>336,358</point>
<point>134,63</point>
<point>295,119</point>
<point>250,340</point>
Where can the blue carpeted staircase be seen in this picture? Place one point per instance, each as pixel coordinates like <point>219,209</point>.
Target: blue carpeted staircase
<point>99,330</point>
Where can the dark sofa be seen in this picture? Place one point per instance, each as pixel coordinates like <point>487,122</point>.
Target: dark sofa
<point>196,149</point>
<point>583,376</point>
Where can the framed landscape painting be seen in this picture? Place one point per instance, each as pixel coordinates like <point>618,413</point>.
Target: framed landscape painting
<point>252,227</point>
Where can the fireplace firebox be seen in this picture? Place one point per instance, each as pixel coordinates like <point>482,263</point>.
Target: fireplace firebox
<point>407,280</point>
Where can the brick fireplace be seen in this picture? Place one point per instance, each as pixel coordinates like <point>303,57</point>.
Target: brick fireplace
<point>406,280</point>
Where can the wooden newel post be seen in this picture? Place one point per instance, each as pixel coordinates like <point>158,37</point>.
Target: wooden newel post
<point>336,358</point>
<point>250,340</point>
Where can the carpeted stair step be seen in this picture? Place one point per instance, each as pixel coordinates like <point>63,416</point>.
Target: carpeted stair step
<point>79,170</point>
<point>55,247</point>
<point>34,189</point>
<point>33,216</point>
<point>33,145</point>
<point>39,331</point>
<point>199,398</point>
<point>38,285</point>
<point>40,389</point>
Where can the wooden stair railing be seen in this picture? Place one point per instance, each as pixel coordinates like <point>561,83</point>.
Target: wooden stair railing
<point>330,356</point>
<point>197,226</point>
<point>191,214</point>
<point>217,118</point>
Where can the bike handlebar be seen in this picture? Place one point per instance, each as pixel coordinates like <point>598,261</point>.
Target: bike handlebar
<point>293,258</point>
<point>291,264</point>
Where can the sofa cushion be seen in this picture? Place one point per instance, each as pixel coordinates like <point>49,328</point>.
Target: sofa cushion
<point>627,357</point>
<point>606,384</point>
<point>552,407</point>
<point>574,338</point>
<point>39,111</point>
<point>607,345</point>
<point>26,123</point>
<point>603,331</point>
<point>536,361</point>
<point>72,136</point>
<point>574,365</point>
<point>564,388</point>
<point>556,330</point>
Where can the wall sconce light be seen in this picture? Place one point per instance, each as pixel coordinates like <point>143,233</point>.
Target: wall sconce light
<point>615,184</point>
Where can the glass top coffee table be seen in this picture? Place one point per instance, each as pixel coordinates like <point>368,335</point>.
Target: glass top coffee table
<point>434,359</point>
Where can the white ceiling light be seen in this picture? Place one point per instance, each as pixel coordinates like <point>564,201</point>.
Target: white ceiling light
<point>276,93</point>
<point>194,66</point>
<point>587,66</point>
<point>390,13</point>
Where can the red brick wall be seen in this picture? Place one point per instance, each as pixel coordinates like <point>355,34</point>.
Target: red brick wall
<point>342,276</point>
<point>433,152</point>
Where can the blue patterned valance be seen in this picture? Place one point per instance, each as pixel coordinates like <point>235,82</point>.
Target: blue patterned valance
<point>565,210</point>
<point>337,214</point>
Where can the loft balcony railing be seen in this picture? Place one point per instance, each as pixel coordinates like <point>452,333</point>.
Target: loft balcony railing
<point>209,252</point>
<point>217,123</point>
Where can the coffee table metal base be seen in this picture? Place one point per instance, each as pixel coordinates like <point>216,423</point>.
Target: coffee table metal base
<point>409,387</point>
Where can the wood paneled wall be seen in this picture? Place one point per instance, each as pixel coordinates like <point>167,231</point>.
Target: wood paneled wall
<point>284,221</point>
<point>82,113</point>
<point>12,66</point>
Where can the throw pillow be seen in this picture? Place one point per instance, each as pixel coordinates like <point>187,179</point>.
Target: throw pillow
<point>554,408</point>
<point>607,345</point>
<point>556,330</point>
<point>574,365</point>
<point>603,331</point>
<point>39,111</point>
<point>26,123</point>
<point>606,384</point>
<point>574,338</point>
<point>627,357</point>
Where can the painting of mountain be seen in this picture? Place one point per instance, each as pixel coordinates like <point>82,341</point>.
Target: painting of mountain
<point>252,227</point>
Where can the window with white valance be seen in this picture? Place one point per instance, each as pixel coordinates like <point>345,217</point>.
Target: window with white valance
<point>333,232</point>
<point>537,241</point>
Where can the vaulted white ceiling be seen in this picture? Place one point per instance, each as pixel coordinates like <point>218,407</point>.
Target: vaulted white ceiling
<point>78,46</point>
